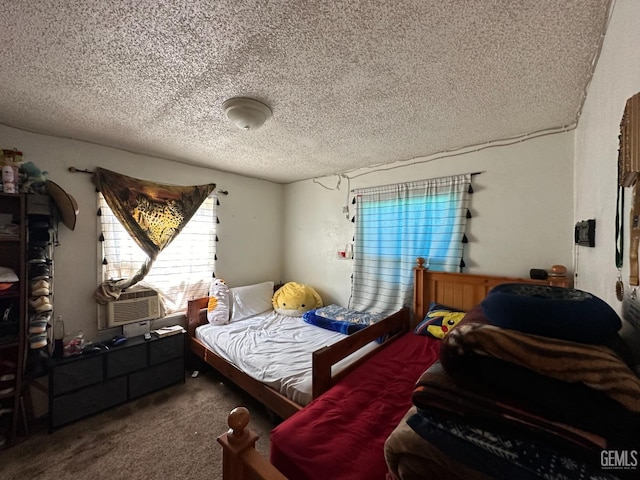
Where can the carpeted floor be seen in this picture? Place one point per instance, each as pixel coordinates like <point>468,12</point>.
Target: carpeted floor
<point>170,434</point>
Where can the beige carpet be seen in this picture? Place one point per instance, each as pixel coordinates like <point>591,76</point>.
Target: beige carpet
<point>170,434</point>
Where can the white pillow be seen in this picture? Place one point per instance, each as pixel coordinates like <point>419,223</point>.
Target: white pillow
<point>251,300</point>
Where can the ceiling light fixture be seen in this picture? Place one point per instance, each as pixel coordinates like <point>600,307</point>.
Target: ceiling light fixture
<point>246,113</point>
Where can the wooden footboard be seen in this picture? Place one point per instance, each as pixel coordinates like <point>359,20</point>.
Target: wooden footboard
<point>240,459</point>
<point>322,361</point>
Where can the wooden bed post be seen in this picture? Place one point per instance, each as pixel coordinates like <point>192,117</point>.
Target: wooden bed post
<point>240,459</point>
<point>419,308</point>
<point>193,314</point>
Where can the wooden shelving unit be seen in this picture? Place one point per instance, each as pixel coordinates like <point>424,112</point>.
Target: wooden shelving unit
<point>13,322</point>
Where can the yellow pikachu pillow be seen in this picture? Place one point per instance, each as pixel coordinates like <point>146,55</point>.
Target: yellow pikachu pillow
<point>439,321</point>
<point>293,299</point>
<point>218,306</point>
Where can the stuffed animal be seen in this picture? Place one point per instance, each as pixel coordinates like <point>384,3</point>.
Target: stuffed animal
<point>218,305</point>
<point>32,179</point>
<point>293,299</point>
<point>449,320</point>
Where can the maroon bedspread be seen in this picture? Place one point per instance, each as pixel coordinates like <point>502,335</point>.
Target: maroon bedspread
<point>341,434</point>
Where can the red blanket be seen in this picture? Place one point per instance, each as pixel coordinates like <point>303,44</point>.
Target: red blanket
<point>341,434</point>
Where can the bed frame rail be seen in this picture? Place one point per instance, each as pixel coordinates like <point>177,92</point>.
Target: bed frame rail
<point>395,326</point>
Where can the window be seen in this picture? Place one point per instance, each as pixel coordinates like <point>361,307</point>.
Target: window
<point>182,271</point>
<point>395,224</point>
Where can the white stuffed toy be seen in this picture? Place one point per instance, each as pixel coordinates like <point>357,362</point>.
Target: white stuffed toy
<point>219,300</point>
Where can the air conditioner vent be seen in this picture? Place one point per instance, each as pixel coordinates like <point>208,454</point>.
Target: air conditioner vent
<point>139,293</point>
<point>134,305</point>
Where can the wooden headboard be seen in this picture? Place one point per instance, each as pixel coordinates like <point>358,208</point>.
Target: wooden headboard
<point>459,290</point>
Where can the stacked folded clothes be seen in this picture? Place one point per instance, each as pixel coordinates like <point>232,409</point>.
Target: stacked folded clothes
<point>529,380</point>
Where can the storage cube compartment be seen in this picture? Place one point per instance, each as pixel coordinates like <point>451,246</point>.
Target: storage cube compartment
<point>166,348</point>
<point>156,377</point>
<point>126,360</point>
<point>88,401</point>
<point>77,374</point>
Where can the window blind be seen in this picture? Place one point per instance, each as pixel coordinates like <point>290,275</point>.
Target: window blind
<point>182,271</point>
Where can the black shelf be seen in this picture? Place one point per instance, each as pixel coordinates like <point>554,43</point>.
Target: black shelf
<point>84,385</point>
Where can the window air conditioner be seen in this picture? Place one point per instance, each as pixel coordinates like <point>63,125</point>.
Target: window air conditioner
<point>135,305</point>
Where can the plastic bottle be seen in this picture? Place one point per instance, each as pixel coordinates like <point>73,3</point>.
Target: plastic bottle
<point>9,179</point>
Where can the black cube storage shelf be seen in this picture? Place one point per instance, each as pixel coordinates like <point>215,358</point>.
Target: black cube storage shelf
<point>87,384</point>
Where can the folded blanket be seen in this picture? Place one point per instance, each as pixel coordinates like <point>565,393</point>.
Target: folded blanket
<point>335,325</point>
<point>341,319</point>
<point>594,366</point>
<point>411,457</point>
<point>436,390</point>
<point>502,453</point>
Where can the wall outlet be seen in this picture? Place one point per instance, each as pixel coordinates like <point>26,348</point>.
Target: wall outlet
<point>346,253</point>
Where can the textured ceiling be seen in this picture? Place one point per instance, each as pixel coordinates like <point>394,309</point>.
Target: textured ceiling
<point>351,83</point>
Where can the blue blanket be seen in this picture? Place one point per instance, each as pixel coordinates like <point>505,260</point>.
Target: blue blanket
<point>341,319</point>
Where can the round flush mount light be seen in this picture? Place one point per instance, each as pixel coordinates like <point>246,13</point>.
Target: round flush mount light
<point>246,113</point>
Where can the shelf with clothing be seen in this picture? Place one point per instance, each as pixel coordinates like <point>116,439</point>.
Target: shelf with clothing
<point>13,315</point>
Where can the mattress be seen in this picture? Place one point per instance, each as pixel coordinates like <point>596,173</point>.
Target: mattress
<point>275,350</point>
<point>343,430</point>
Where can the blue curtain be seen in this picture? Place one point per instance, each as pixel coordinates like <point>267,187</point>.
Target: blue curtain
<point>395,224</point>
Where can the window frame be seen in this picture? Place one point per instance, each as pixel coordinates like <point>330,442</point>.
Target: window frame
<point>198,278</point>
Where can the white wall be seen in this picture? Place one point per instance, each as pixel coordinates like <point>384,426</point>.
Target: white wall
<point>251,211</point>
<point>525,203</point>
<point>522,213</point>
<point>617,77</point>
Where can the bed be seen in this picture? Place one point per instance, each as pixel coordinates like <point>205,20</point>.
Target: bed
<point>342,433</point>
<point>366,404</point>
<point>282,361</point>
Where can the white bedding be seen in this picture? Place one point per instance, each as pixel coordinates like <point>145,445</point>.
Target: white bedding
<point>275,350</point>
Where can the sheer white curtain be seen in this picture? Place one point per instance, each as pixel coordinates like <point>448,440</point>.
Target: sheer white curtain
<point>395,224</point>
<point>182,271</point>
